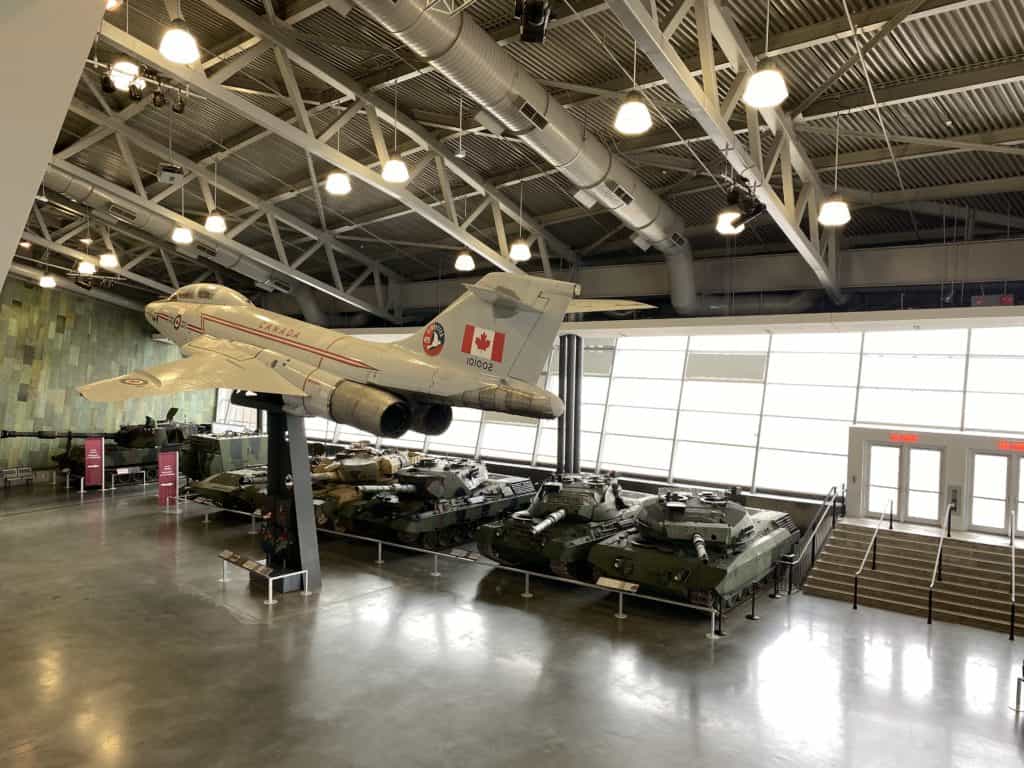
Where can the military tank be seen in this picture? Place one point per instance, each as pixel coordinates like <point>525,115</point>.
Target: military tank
<point>240,490</point>
<point>434,503</point>
<point>569,515</point>
<point>206,454</point>
<point>702,548</point>
<point>133,445</point>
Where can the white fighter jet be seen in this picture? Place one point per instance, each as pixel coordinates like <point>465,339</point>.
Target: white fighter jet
<point>486,351</point>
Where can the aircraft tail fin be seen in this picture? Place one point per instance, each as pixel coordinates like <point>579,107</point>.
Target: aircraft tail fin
<point>505,325</point>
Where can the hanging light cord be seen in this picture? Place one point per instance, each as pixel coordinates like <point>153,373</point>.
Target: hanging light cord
<point>835,167</point>
<point>520,209</point>
<point>634,63</point>
<point>878,110</point>
<point>767,26</point>
<point>396,117</point>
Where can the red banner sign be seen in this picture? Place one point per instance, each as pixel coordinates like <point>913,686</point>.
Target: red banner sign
<point>1011,445</point>
<point>94,462</point>
<point>167,477</point>
<point>903,437</point>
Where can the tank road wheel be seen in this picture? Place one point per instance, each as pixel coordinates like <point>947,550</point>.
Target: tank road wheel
<point>561,569</point>
<point>429,540</point>
<point>409,539</point>
<point>447,538</point>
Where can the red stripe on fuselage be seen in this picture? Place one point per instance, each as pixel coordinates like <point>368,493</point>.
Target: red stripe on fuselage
<point>287,342</point>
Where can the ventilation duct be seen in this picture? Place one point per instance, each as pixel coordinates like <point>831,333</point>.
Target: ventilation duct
<point>464,53</point>
<point>757,304</point>
<point>110,207</point>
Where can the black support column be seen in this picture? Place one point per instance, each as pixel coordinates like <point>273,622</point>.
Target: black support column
<point>570,384</point>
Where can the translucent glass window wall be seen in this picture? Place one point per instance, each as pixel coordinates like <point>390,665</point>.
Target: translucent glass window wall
<point>770,411</point>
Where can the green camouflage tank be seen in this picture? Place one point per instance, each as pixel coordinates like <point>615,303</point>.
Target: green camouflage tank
<point>570,514</point>
<point>239,489</point>
<point>206,455</point>
<point>434,503</point>
<point>698,548</point>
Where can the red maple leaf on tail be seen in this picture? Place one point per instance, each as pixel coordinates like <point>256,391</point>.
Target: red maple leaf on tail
<point>482,342</point>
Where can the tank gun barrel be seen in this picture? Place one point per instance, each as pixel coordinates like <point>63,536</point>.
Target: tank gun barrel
<point>702,550</point>
<point>369,490</point>
<point>51,434</point>
<point>547,522</point>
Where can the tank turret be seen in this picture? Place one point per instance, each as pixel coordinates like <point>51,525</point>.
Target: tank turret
<point>445,478</point>
<point>569,514</point>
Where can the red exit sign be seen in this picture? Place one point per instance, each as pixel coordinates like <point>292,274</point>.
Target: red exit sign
<point>903,437</point>
<point>1011,445</point>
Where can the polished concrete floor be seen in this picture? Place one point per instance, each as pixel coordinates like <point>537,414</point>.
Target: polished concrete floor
<point>118,647</point>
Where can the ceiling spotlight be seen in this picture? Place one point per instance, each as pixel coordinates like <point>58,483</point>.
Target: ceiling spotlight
<point>519,251</point>
<point>766,88</point>
<point>464,262</point>
<point>134,92</point>
<point>125,74</point>
<point>179,104</point>
<point>25,244</point>
<point>159,98</point>
<point>835,211</point>
<point>109,260</point>
<point>338,183</point>
<point>216,223</point>
<point>395,171</point>
<point>113,5</point>
<point>47,281</point>
<point>182,236</point>
<point>533,18</point>
<point>86,268</point>
<point>107,83</point>
<point>633,117</point>
<point>179,44</point>
<point>727,219</point>
<point>85,240</point>
<point>460,153</point>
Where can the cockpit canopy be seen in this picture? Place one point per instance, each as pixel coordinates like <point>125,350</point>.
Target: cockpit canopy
<point>209,293</point>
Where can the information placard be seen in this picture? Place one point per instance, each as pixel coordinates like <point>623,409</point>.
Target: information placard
<point>94,462</point>
<point>167,477</point>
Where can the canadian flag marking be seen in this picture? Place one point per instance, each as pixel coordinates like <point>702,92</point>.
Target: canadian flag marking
<point>483,342</point>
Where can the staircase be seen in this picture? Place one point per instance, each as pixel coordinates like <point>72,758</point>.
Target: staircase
<point>975,586</point>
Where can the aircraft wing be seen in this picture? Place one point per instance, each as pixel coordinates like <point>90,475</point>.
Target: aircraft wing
<point>210,363</point>
<point>604,305</point>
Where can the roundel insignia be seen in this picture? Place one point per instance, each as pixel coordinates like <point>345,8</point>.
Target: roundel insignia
<point>433,339</point>
<point>133,381</point>
<point>177,322</point>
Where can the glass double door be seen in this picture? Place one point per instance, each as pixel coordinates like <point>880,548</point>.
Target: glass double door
<point>909,478</point>
<point>996,491</point>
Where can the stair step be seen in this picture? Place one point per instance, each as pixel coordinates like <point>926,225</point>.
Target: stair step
<point>993,603</point>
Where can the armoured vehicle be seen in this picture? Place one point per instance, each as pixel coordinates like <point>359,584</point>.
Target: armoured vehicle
<point>434,503</point>
<point>700,548</point>
<point>238,489</point>
<point>206,454</point>
<point>569,515</point>
<point>133,445</point>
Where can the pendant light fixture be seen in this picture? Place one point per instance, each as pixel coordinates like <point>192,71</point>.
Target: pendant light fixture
<point>395,170</point>
<point>182,235</point>
<point>338,183</point>
<point>730,215</point>
<point>178,43</point>
<point>125,75</point>
<point>47,281</point>
<point>633,117</point>
<point>766,87</point>
<point>465,262</point>
<point>519,251</point>
<point>215,221</point>
<point>86,268</point>
<point>110,5</point>
<point>835,211</point>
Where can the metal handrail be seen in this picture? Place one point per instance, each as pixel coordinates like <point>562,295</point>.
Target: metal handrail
<point>1013,573</point>
<point>829,509</point>
<point>872,550</point>
<point>937,568</point>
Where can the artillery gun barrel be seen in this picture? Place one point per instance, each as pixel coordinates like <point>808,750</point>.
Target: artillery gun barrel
<point>369,490</point>
<point>50,434</point>
<point>547,522</point>
<point>702,551</point>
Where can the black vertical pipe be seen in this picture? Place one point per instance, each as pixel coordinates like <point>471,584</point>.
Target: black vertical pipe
<point>562,346</point>
<point>577,400</point>
<point>930,606</point>
<point>874,555</point>
<point>855,580</point>
<point>570,391</point>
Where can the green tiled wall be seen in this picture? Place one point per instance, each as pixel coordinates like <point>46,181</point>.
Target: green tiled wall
<point>52,341</point>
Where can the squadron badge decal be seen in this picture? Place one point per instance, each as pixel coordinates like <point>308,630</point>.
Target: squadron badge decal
<point>433,339</point>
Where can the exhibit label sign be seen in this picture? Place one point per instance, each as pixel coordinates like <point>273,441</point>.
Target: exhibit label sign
<point>94,462</point>
<point>167,477</point>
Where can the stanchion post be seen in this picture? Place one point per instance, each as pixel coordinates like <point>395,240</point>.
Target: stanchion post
<point>856,579</point>
<point>752,616</point>
<point>930,596</point>
<point>436,572</point>
<point>380,553</point>
<point>621,614</point>
<point>526,588</point>
<point>1013,621</point>
<point>270,592</point>
<point>252,523</point>
<point>224,572</point>
<point>874,554</point>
